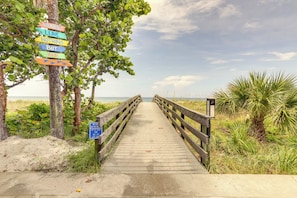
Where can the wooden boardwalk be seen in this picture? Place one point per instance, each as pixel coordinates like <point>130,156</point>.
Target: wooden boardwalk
<point>150,144</point>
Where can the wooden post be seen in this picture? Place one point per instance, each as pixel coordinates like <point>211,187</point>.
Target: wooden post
<point>56,112</point>
<point>173,117</point>
<point>181,125</point>
<point>3,103</point>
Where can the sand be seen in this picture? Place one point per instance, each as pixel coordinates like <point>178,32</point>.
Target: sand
<point>37,154</point>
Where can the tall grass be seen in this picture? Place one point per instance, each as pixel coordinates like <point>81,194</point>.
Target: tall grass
<point>232,150</point>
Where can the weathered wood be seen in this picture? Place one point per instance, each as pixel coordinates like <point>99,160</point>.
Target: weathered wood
<point>53,62</point>
<point>121,114</point>
<point>51,33</point>
<point>43,39</point>
<point>196,116</point>
<point>111,142</point>
<point>47,54</point>
<point>52,48</point>
<point>174,112</point>
<point>108,115</point>
<point>202,153</point>
<point>112,127</point>
<point>189,127</point>
<point>52,26</point>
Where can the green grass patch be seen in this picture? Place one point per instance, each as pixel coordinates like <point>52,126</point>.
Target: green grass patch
<point>84,161</point>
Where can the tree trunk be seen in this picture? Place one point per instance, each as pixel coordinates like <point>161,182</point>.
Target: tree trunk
<point>258,129</point>
<point>77,110</point>
<point>3,102</point>
<point>56,111</point>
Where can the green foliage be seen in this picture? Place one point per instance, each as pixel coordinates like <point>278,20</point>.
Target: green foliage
<point>18,20</point>
<point>99,32</point>
<point>34,121</point>
<point>84,161</point>
<point>240,142</point>
<point>30,123</point>
<point>262,97</point>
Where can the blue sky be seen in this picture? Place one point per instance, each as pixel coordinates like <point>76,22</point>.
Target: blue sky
<point>192,48</point>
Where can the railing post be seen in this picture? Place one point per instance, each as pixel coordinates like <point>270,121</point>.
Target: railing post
<point>173,117</point>
<point>181,125</point>
<point>98,145</point>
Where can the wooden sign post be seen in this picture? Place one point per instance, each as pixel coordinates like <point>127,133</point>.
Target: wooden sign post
<point>57,39</point>
<point>56,110</point>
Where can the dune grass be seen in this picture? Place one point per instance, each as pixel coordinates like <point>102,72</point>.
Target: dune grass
<point>14,105</point>
<point>232,150</point>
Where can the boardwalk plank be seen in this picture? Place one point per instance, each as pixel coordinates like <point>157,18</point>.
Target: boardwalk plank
<point>150,144</point>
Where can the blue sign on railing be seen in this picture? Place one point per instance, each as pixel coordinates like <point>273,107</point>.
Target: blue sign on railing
<point>94,130</point>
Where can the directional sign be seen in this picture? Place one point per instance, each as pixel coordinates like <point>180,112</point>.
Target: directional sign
<point>52,48</point>
<point>52,55</point>
<point>94,130</point>
<point>51,33</point>
<point>52,26</point>
<point>53,62</point>
<point>43,39</point>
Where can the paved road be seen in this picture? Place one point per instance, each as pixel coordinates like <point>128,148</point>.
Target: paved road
<point>150,144</point>
<point>50,185</point>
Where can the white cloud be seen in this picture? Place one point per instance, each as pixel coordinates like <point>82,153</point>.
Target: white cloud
<point>248,54</point>
<point>217,61</point>
<point>229,10</point>
<point>252,25</point>
<point>178,81</point>
<point>175,18</point>
<point>282,56</point>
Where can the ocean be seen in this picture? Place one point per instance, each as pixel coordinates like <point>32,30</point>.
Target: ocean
<point>98,99</point>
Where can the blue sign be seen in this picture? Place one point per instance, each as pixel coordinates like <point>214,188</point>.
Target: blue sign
<point>94,130</point>
<point>52,48</point>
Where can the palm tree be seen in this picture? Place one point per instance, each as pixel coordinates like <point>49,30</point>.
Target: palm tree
<point>262,96</point>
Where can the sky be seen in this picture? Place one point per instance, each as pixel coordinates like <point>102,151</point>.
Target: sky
<point>193,48</point>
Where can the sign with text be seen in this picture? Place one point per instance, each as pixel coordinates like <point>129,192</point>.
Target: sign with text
<point>52,55</point>
<point>94,130</point>
<point>52,26</point>
<point>43,39</point>
<point>51,33</point>
<point>51,42</point>
<point>52,48</point>
<point>53,62</point>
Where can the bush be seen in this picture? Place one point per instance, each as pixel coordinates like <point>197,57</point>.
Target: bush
<point>30,123</point>
<point>34,121</point>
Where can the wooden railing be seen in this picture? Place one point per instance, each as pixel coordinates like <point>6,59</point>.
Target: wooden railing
<point>113,122</point>
<point>192,126</point>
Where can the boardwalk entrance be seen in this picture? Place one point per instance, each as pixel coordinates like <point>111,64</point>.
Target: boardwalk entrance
<point>150,144</point>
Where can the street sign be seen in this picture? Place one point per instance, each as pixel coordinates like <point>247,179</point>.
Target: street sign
<point>94,130</point>
<point>49,40</point>
<point>51,33</point>
<point>52,48</point>
<point>52,26</point>
<point>53,62</point>
<point>52,55</point>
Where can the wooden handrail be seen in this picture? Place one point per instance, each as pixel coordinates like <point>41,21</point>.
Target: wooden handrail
<point>179,117</point>
<point>113,122</point>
